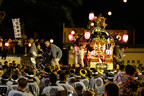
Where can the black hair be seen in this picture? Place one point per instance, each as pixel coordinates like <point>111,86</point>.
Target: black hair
<point>112,89</point>
<point>63,76</point>
<point>5,67</point>
<point>15,76</point>
<point>22,82</point>
<point>4,77</point>
<point>122,67</point>
<point>53,78</point>
<point>130,69</point>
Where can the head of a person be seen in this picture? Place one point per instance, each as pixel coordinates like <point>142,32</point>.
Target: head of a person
<point>110,76</point>
<point>31,40</point>
<point>130,70</point>
<point>81,46</point>
<point>122,48</point>
<point>140,65</point>
<point>5,62</point>
<point>111,89</point>
<point>14,78</point>
<point>95,73</point>
<point>63,76</point>
<point>122,67</point>
<point>71,72</point>
<point>5,78</point>
<point>53,78</point>
<point>83,73</point>
<point>38,47</point>
<point>30,74</point>
<point>47,70</point>
<point>5,68</point>
<point>21,84</point>
<point>47,43</point>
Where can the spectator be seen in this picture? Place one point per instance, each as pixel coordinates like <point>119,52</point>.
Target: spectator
<point>1,44</point>
<point>96,82</point>
<point>78,86</point>
<point>4,88</point>
<point>117,77</point>
<point>128,81</point>
<point>111,89</point>
<point>72,76</point>
<point>4,52</point>
<point>45,81</point>
<point>13,81</point>
<point>32,86</point>
<point>64,84</point>
<point>83,79</point>
<point>20,89</point>
<point>53,89</point>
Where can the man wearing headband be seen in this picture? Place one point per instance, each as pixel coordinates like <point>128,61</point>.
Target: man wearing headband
<point>56,54</point>
<point>20,91</point>
<point>32,86</point>
<point>96,82</point>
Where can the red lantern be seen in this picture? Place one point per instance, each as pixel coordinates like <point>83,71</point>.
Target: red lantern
<point>71,37</point>
<point>91,16</point>
<point>87,35</point>
<point>125,38</point>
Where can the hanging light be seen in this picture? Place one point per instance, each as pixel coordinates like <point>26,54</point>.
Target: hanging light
<point>73,32</point>
<point>87,35</point>
<point>91,16</point>
<point>29,44</point>
<point>92,24</point>
<point>109,13</point>
<point>6,44</point>
<point>125,1</point>
<point>51,40</point>
<point>71,37</point>
<point>125,38</point>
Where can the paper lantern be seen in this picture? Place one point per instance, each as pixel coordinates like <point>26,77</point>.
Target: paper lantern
<point>87,35</point>
<point>91,16</point>
<point>125,38</point>
<point>51,40</point>
<point>71,37</point>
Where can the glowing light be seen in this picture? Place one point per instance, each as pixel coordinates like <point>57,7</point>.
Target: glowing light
<point>109,13</point>
<point>29,44</point>
<point>73,32</point>
<point>125,1</point>
<point>51,40</point>
<point>125,38</point>
<point>71,37</point>
<point>87,35</point>
<point>6,44</point>
<point>91,16</point>
<point>92,24</point>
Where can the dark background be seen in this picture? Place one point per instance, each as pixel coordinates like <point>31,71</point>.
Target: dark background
<point>47,16</point>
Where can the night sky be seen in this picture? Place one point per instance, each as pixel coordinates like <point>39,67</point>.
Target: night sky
<point>46,18</point>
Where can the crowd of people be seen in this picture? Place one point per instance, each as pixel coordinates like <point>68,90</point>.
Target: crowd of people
<point>53,80</point>
<point>23,80</point>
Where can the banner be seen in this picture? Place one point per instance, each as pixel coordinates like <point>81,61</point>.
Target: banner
<point>17,27</point>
